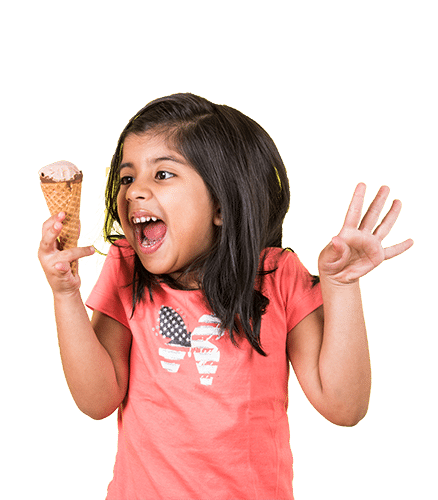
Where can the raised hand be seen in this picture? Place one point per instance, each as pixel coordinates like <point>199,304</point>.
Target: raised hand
<point>56,263</point>
<point>358,249</point>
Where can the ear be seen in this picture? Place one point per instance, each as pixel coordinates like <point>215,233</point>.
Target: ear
<point>217,219</point>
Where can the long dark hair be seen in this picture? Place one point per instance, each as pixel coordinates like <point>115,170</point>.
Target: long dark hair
<point>245,176</point>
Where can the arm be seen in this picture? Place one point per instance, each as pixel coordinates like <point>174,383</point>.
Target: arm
<point>329,353</point>
<point>329,348</point>
<point>95,355</point>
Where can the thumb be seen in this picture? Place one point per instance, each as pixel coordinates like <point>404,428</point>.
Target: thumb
<point>339,246</point>
<point>63,267</point>
<point>334,256</point>
<point>334,251</point>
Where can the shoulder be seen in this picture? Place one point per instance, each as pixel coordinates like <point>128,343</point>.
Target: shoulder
<point>112,294</point>
<point>290,285</point>
<point>121,249</point>
<point>121,255</point>
<point>118,265</point>
<point>277,259</point>
<point>270,257</point>
<point>282,267</point>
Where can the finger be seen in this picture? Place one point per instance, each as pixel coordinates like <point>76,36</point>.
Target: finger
<point>398,249</point>
<point>375,209</point>
<point>72,255</point>
<point>51,230</point>
<point>51,220</point>
<point>354,212</point>
<point>60,216</point>
<point>77,253</point>
<point>383,229</point>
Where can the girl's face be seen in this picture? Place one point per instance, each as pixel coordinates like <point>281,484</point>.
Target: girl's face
<point>166,211</point>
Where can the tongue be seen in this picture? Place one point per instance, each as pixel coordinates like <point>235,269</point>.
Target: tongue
<point>154,230</point>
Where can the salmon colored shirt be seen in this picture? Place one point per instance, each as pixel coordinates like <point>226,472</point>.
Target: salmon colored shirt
<point>203,419</point>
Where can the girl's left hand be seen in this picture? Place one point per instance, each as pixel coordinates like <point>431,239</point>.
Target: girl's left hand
<point>356,251</point>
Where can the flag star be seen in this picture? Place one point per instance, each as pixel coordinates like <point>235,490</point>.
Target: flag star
<point>173,327</point>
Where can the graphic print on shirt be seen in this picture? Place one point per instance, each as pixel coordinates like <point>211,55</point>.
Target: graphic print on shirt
<point>182,342</point>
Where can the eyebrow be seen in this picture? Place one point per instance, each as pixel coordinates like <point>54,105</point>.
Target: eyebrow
<point>155,160</point>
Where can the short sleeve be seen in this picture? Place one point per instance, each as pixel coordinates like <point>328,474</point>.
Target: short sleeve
<point>300,294</point>
<point>110,294</point>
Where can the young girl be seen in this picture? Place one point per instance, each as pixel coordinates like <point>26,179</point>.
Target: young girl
<point>198,310</point>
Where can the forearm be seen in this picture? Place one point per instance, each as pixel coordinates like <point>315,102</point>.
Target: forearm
<point>88,368</point>
<point>344,363</point>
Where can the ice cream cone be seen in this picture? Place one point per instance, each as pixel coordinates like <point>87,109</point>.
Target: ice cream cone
<point>65,196</point>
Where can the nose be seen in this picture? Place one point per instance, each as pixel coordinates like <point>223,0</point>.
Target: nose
<point>138,190</point>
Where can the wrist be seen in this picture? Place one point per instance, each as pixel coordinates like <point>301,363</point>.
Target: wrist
<point>336,282</point>
<point>67,296</point>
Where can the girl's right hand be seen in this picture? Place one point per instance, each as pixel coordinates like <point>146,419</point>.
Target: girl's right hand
<point>56,263</point>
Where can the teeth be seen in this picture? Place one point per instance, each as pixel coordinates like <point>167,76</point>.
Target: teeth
<point>140,220</point>
<point>150,243</point>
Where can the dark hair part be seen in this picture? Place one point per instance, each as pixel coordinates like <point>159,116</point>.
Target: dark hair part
<point>245,176</point>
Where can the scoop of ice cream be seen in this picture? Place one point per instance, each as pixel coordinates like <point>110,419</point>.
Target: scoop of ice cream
<point>60,171</point>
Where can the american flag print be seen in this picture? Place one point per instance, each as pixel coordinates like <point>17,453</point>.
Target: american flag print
<point>182,342</point>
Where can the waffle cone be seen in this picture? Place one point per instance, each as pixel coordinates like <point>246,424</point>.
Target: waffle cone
<point>65,196</point>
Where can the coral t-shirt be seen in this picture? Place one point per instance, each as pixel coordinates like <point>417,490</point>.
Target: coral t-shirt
<point>203,419</point>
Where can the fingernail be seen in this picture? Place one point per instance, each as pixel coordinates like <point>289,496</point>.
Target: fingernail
<point>57,226</point>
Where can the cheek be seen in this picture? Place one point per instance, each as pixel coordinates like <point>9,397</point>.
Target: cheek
<point>121,207</point>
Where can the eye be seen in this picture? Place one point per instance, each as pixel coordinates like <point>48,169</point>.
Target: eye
<point>126,179</point>
<point>163,175</point>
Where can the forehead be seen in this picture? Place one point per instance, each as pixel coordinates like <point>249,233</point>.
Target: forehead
<point>150,148</point>
<point>148,144</point>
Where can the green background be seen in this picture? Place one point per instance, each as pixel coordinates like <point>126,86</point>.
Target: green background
<point>347,90</point>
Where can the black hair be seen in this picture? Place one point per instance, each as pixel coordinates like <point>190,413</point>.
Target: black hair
<point>245,176</point>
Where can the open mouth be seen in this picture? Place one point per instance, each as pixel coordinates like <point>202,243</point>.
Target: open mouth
<point>150,233</point>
